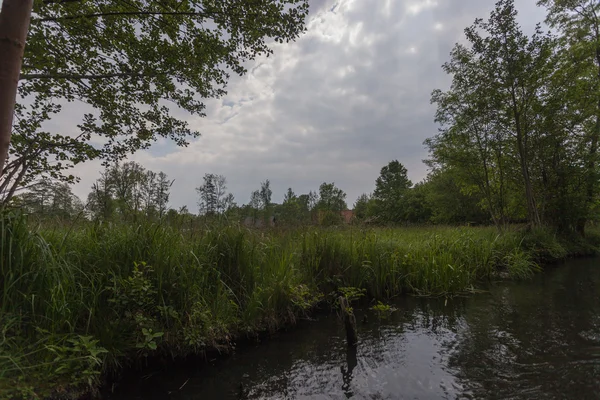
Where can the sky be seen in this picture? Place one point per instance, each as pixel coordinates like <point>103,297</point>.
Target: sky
<point>347,97</point>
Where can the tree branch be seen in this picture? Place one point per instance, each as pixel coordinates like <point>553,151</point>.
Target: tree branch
<point>59,1</point>
<point>117,14</point>
<point>80,76</point>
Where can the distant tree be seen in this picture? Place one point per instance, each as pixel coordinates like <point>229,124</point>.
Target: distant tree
<point>417,209</point>
<point>265,194</point>
<point>228,202</point>
<point>290,196</point>
<point>290,210</point>
<point>255,204</point>
<point>265,200</point>
<point>332,201</point>
<point>304,202</point>
<point>313,200</point>
<point>390,190</point>
<point>100,201</point>
<point>149,192</point>
<point>361,207</point>
<point>213,197</point>
<point>48,198</point>
<point>331,198</point>
<point>127,181</point>
<point>163,189</point>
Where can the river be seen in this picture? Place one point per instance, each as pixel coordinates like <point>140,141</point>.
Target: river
<point>538,339</point>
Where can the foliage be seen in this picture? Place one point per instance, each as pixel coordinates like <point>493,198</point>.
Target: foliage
<point>92,305</point>
<point>46,198</point>
<point>125,59</point>
<point>521,121</point>
<point>352,293</point>
<point>129,190</point>
<point>361,207</point>
<point>449,204</point>
<point>383,310</point>
<point>331,198</point>
<point>390,190</point>
<point>213,198</point>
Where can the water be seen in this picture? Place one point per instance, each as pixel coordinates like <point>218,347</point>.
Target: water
<point>529,340</point>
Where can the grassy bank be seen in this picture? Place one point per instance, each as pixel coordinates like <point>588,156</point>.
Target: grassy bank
<point>80,302</point>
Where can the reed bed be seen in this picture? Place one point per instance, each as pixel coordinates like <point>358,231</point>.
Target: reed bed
<point>78,303</point>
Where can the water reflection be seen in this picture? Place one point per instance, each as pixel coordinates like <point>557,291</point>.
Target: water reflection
<point>351,363</point>
<point>532,340</point>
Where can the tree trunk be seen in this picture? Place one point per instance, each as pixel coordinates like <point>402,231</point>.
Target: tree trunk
<point>533,215</point>
<point>532,211</point>
<point>592,176</point>
<point>14,24</point>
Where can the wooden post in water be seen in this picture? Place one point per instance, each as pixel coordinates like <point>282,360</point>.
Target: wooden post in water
<point>349,322</point>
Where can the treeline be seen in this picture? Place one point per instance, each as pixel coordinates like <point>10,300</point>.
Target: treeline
<point>128,192</point>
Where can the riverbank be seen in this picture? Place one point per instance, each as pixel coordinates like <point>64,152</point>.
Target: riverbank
<point>79,303</point>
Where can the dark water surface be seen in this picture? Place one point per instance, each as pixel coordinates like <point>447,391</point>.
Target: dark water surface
<point>530,340</point>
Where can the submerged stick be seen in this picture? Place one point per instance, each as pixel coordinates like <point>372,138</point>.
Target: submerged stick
<point>349,322</point>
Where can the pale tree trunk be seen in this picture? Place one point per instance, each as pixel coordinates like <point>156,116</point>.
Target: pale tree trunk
<point>532,211</point>
<point>14,24</point>
<point>592,175</point>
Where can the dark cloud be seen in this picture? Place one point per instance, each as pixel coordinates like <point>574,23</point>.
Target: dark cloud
<point>338,104</point>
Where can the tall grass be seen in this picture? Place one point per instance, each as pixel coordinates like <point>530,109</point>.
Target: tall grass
<point>77,303</point>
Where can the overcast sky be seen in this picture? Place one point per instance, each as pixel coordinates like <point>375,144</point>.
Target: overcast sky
<point>338,104</point>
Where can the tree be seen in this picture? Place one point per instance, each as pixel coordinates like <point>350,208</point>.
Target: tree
<point>129,190</point>
<point>332,201</point>
<point>290,196</point>
<point>124,60</point>
<point>579,23</point>
<point>214,199</point>
<point>390,188</point>
<point>100,202</point>
<point>163,189</point>
<point>449,203</point>
<point>149,192</point>
<point>128,182</point>
<point>265,194</point>
<point>307,206</point>
<point>51,199</point>
<point>331,198</point>
<point>290,210</point>
<point>361,207</point>
<point>255,200</point>
<point>14,23</point>
<point>229,202</point>
<point>491,115</point>
<point>416,207</point>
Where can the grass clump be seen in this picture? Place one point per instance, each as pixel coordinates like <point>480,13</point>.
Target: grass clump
<point>80,303</point>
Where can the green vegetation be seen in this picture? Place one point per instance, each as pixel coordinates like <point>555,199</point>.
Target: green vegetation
<point>123,59</point>
<point>89,288</point>
<point>80,301</point>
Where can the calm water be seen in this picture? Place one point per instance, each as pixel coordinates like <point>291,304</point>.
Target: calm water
<point>532,340</point>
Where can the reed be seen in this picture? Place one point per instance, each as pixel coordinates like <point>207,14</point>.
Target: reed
<point>80,302</point>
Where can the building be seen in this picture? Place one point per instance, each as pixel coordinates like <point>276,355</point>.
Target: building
<point>347,216</point>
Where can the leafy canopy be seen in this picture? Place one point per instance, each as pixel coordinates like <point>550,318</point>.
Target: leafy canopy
<point>137,64</point>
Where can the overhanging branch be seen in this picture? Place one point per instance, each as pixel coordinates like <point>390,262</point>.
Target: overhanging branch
<point>81,76</point>
<point>119,14</point>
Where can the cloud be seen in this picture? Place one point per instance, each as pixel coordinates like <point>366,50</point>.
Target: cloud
<point>346,98</point>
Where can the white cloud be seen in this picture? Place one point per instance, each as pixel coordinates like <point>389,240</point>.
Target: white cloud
<point>417,7</point>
